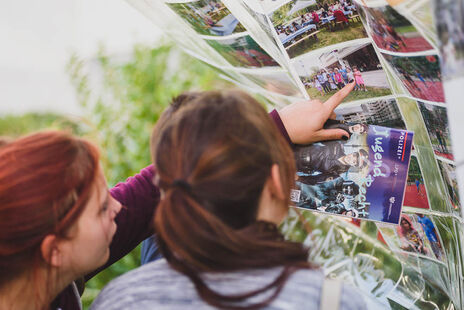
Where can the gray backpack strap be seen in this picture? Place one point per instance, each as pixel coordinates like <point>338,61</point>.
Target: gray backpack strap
<point>331,294</point>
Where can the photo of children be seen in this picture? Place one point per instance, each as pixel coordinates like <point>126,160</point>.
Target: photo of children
<point>449,18</point>
<point>436,121</point>
<point>242,52</point>
<point>323,75</point>
<point>414,239</point>
<point>411,240</point>
<point>415,195</point>
<point>303,26</point>
<point>381,112</point>
<point>345,178</point>
<point>448,172</point>
<point>393,32</point>
<point>208,17</point>
<point>277,82</point>
<point>420,75</point>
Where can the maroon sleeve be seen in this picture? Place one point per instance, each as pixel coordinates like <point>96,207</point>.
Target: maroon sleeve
<point>280,125</point>
<point>139,197</point>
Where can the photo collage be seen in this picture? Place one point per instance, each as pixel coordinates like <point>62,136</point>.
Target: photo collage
<point>325,44</point>
<point>222,31</point>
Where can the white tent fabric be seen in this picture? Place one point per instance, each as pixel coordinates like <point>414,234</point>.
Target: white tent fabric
<point>301,4</point>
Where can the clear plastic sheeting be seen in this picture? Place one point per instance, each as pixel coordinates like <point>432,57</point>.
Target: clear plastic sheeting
<point>284,52</point>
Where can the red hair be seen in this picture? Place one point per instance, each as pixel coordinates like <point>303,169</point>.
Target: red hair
<point>45,182</point>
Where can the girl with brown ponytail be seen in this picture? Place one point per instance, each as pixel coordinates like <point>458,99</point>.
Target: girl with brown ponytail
<point>225,175</point>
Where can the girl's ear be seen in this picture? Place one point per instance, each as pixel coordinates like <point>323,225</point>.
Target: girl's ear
<point>276,183</point>
<point>50,251</point>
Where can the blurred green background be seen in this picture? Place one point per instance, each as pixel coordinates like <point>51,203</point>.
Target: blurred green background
<point>119,115</point>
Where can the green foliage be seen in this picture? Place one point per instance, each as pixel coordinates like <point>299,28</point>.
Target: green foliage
<point>14,126</point>
<point>133,96</point>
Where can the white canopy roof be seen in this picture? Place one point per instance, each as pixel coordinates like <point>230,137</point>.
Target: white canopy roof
<point>301,4</point>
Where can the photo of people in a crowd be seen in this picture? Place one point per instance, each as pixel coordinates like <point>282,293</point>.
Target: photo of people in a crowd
<point>384,112</point>
<point>391,31</point>
<point>449,18</point>
<point>242,52</point>
<point>303,26</point>
<point>345,177</point>
<point>420,75</point>
<point>276,81</point>
<point>325,74</point>
<point>436,121</point>
<point>415,194</point>
<point>448,172</point>
<point>208,17</point>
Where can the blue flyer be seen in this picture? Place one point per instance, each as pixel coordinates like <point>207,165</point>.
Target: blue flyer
<point>364,177</point>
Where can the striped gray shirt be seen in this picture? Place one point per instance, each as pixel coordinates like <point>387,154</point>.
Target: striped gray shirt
<point>157,286</point>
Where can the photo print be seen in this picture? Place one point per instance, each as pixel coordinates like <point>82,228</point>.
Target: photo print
<point>276,81</point>
<point>363,177</point>
<point>393,32</point>
<point>415,194</point>
<point>448,171</point>
<point>436,121</point>
<point>325,74</point>
<point>242,51</point>
<point>420,75</point>
<point>208,17</point>
<point>449,17</point>
<point>416,234</point>
<point>303,26</point>
<point>384,112</point>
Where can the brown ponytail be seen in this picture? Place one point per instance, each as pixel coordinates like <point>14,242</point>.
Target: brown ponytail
<point>222,147</point>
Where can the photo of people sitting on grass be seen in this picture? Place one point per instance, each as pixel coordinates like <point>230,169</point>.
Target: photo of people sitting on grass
<point>208,17</point>
<point>381,113</point>
<point>450,27</point>
<point>325,74</point>
<point>415,194</point>
<point>242,52</point>
<point>393,32</point>
<point>448,171</point>
<point>303,26</point>
<point>420,75</point>
<point>436,121</point>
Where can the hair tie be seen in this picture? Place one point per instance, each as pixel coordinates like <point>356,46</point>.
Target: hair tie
<point>182,184</point>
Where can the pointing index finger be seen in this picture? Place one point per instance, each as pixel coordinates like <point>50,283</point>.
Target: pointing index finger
<point>338,97</point>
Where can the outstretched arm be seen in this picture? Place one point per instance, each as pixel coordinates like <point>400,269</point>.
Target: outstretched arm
<point>304,121</point>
